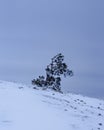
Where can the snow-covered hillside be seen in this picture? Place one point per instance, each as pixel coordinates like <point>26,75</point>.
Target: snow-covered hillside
<point>24,108</point>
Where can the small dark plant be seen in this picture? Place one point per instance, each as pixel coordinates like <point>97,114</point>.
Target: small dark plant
<point>54,71</point>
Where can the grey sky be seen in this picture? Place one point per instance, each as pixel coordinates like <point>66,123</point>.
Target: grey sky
<point>31,32</point>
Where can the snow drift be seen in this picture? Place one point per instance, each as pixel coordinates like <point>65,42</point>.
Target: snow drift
<point>24,108</point>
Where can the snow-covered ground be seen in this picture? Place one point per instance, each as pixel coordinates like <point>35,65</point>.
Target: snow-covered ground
<point>24,108</point>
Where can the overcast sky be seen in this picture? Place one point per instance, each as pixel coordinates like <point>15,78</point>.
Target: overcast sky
<point>33,31</point>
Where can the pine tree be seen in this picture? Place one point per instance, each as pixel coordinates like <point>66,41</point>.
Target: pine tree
<point>54,71</point>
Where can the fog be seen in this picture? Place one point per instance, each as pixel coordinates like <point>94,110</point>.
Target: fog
<point>32,32</point>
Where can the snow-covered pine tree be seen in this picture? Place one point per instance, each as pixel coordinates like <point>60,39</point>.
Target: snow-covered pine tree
<point>54,71</point>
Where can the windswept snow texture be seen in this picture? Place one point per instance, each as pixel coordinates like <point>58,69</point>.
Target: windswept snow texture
<point>24,108</point>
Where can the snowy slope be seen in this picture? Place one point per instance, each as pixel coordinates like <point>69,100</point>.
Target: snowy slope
<point>24,108</point>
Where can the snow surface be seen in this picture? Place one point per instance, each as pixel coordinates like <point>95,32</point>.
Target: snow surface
<point>24,108</point>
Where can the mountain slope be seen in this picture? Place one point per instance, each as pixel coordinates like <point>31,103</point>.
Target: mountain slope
<point>23,108</point>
